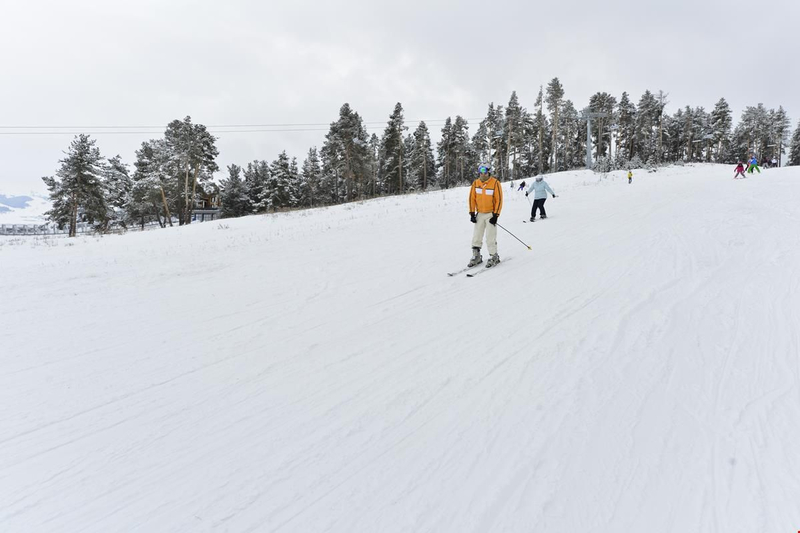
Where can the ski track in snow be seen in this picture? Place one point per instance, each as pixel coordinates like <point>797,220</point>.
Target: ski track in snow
<point>639,370</point>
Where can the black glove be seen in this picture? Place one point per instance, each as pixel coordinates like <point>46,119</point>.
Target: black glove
<point>554,196</point>
<point>473,217</point>
<point>493,220</point>
<point>526,193</point>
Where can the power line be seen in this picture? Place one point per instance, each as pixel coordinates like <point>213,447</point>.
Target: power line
<point>138,129</point>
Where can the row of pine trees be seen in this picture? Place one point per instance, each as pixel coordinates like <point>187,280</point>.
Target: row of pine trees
<point>172,174</point>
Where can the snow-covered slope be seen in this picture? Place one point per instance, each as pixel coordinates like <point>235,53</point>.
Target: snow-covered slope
<point>23,209</point>
<point>639,370</point>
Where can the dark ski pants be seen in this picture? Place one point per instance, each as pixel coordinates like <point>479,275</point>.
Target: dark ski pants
<point>538,204</point>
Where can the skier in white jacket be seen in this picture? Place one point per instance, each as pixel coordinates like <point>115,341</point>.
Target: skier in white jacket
<point>541,189</point>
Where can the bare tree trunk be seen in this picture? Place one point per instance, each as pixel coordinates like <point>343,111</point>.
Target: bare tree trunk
<point>555,141</point>
<point>73,215</point>
<point>166,207</point>
<point>508,146</point>
<point>424,169</point>
<point>194,191</point>
<point>400,171</point>
<point>185,195</point>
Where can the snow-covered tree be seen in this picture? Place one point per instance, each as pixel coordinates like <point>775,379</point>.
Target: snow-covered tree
<point>721,122</point>
<point>421,159</point>
<point>540,125</point>
<point>256,181</point>
<point>117,187</point>
<point>514,134</point>
<point>345,157</point>
<point>780,128</point>
<point>148,196</point>
<point>626,127</point>
<point>647,125</point>
<point>794,148</point>
<point>554,98</point>
<point>461,149</point>
<point>77,191</point>
<point>310,180</point>
<point>445,150</point>
<point>392,150</point>
<point>282,184</point>
<point>234,199</point>
<point>602,102</point>
<point>192,159</point>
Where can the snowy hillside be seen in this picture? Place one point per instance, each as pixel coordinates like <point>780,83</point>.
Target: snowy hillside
<point>23,209</point>
<point>638,370</point>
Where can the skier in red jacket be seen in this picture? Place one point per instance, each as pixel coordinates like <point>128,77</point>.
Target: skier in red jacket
<point>739,171</point>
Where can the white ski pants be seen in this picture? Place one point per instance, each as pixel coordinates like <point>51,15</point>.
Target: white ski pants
<point>482,226</point>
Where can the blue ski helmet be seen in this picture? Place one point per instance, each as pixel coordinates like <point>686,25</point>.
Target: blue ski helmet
<point>484,168</point>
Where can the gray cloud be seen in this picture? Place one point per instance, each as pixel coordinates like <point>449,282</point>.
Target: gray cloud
<point>91,63</point>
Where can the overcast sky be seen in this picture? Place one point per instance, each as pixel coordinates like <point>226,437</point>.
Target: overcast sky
<point>144,63</point>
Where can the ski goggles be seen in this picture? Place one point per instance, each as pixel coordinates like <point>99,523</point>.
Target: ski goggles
<point>483,169</point>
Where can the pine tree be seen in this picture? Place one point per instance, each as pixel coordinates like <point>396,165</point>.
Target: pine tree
<point>282,184</point>
<point>602,103</point>
<point>235,202</point>
<point>626,123</point>
<point>392,148</point>
<point>78,194</point>
<point>345,157</point>
<point>721,122</point>
<point>423,165</point>
<point>662,102</point>
<point>192,159</point>
<point>570,128</point>
<point>149,197</point>
<point>794,149</point>
<point>408,150</point>
<point>647,121</point>
<point>117,187</point>
<point>495,130</point>
<point>555,95</point>
<point>444,149</point>
<point>256,182</point>
<point>480,143</point>
<point>779,133</point>
<point>461,149</point>
<point>540,123</point>
<point>514,133</point>
<point>311,178</point>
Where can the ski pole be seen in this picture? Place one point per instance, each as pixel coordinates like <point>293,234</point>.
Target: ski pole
<point>529,248</point>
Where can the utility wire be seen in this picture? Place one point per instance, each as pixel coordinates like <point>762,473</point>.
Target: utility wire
<point>138,129</point>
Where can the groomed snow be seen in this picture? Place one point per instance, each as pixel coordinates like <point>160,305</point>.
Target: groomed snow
<point>639,370</point>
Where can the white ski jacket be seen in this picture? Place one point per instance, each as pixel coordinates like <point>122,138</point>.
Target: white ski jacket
<point>541,188</point>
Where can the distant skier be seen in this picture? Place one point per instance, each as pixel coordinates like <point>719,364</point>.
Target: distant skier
<point>739,171</point>
<point>541,189</point>
<point>630,176</point>
<point>774,163</point>
<point>485,204</point>
<point>753,164</point>
<point>521,186</point>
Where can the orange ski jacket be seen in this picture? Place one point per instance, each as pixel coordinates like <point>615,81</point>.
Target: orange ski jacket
<point>486,196</point>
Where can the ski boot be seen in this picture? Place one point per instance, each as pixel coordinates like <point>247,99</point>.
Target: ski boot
<point>476,258</point>
<point>543,217</point>
<point>493,260</point>
<point>533,218</point>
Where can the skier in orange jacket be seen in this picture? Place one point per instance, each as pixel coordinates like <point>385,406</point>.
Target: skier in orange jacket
<point>485,205</point>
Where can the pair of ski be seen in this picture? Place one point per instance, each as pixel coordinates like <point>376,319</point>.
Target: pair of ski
<point>475,270</point>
